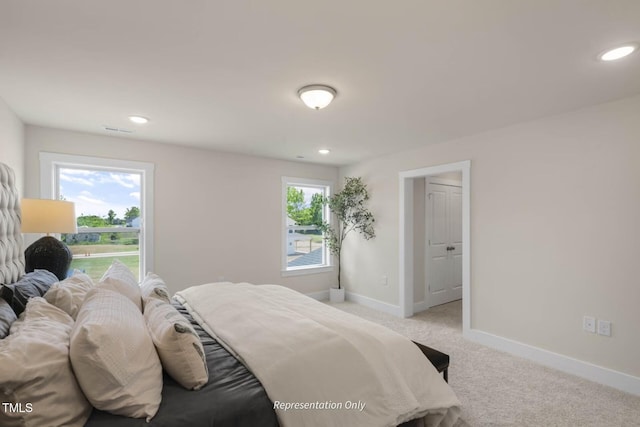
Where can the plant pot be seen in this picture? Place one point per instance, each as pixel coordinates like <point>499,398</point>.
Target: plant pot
<point>336,295</point>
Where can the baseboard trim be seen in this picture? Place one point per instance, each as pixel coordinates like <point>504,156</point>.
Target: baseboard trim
<point>373,303</point>
<point>320,296</point>
<point>589,371</point>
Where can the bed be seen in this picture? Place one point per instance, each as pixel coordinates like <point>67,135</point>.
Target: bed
<point>271,355</point>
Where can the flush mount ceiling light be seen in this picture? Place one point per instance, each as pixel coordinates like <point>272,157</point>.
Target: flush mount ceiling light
<point>139,119</point>
<point>317,96</point>
<point>324,151</point>
<point>618,52</point>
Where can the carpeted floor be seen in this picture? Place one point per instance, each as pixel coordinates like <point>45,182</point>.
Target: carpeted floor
<point>497,389</point>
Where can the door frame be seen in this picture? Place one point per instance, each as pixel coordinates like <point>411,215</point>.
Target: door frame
<point>406,239</point>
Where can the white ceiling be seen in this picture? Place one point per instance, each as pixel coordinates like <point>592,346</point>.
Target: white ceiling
<point>224,74</point>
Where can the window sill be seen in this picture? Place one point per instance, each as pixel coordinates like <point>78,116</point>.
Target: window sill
<point>305,271</point>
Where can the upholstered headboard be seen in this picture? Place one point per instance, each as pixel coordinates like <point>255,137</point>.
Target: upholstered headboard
<point>11,253</point>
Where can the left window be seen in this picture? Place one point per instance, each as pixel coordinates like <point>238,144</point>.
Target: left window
<point>114,209</point>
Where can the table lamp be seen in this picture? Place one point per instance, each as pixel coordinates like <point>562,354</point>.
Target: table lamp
<point>48,216</point>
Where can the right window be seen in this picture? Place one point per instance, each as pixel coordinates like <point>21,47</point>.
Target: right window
<point>304,247</point>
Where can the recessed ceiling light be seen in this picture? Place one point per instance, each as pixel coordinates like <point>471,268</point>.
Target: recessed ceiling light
<point>139,119</point>
<point>324,151</point>
<point>618,52</point>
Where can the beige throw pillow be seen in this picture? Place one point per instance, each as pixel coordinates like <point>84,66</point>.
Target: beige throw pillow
<point>154,287</point>
<point>177,343</point>
<point>69,294</point>
<point>114,358</point>
<point>35,372</point>
<point>120,279</point>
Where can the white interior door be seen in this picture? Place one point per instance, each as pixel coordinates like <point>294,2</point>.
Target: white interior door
<point>444,243</point>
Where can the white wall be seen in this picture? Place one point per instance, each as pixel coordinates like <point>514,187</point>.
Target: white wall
<point>216,214</point>
<point>555,226</point>
<point>12,143</point>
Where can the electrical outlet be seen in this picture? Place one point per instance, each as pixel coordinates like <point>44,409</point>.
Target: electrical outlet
<point>589,324</point>
<point>604,328</point>
<point>384,281</point>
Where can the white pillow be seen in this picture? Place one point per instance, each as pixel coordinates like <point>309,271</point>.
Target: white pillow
<point>35,371</point>
<point>120,279</point>
<point>177,343</point>
<point>154,287</point>
<point>69,294</point>
<point>114,358</point>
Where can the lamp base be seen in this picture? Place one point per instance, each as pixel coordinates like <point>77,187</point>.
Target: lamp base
<point>48,253</point>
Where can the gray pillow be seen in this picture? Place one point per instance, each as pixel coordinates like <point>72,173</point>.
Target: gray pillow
<point>7,317</point>
<point>34,284</point>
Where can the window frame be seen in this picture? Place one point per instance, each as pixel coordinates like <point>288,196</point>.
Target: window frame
<point>303,270</point>
<point>50,163</point>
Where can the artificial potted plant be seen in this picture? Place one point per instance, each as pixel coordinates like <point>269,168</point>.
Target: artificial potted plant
<point>349,209</point>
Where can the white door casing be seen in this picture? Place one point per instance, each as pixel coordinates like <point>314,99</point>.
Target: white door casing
<point>406,237</point>
<point>444,242</point>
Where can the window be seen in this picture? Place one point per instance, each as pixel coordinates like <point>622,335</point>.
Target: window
<point>114,209</point>
<point>303,247</point>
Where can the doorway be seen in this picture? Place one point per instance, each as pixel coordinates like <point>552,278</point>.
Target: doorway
<point>409,180</point>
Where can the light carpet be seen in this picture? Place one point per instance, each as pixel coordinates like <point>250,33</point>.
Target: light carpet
<point>498,389</point>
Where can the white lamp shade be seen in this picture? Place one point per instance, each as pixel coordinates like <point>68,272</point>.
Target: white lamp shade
<point>317,96</point>
<point>48,216</point>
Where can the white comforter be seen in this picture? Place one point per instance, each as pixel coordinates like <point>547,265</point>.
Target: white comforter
<point>319,365</point>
